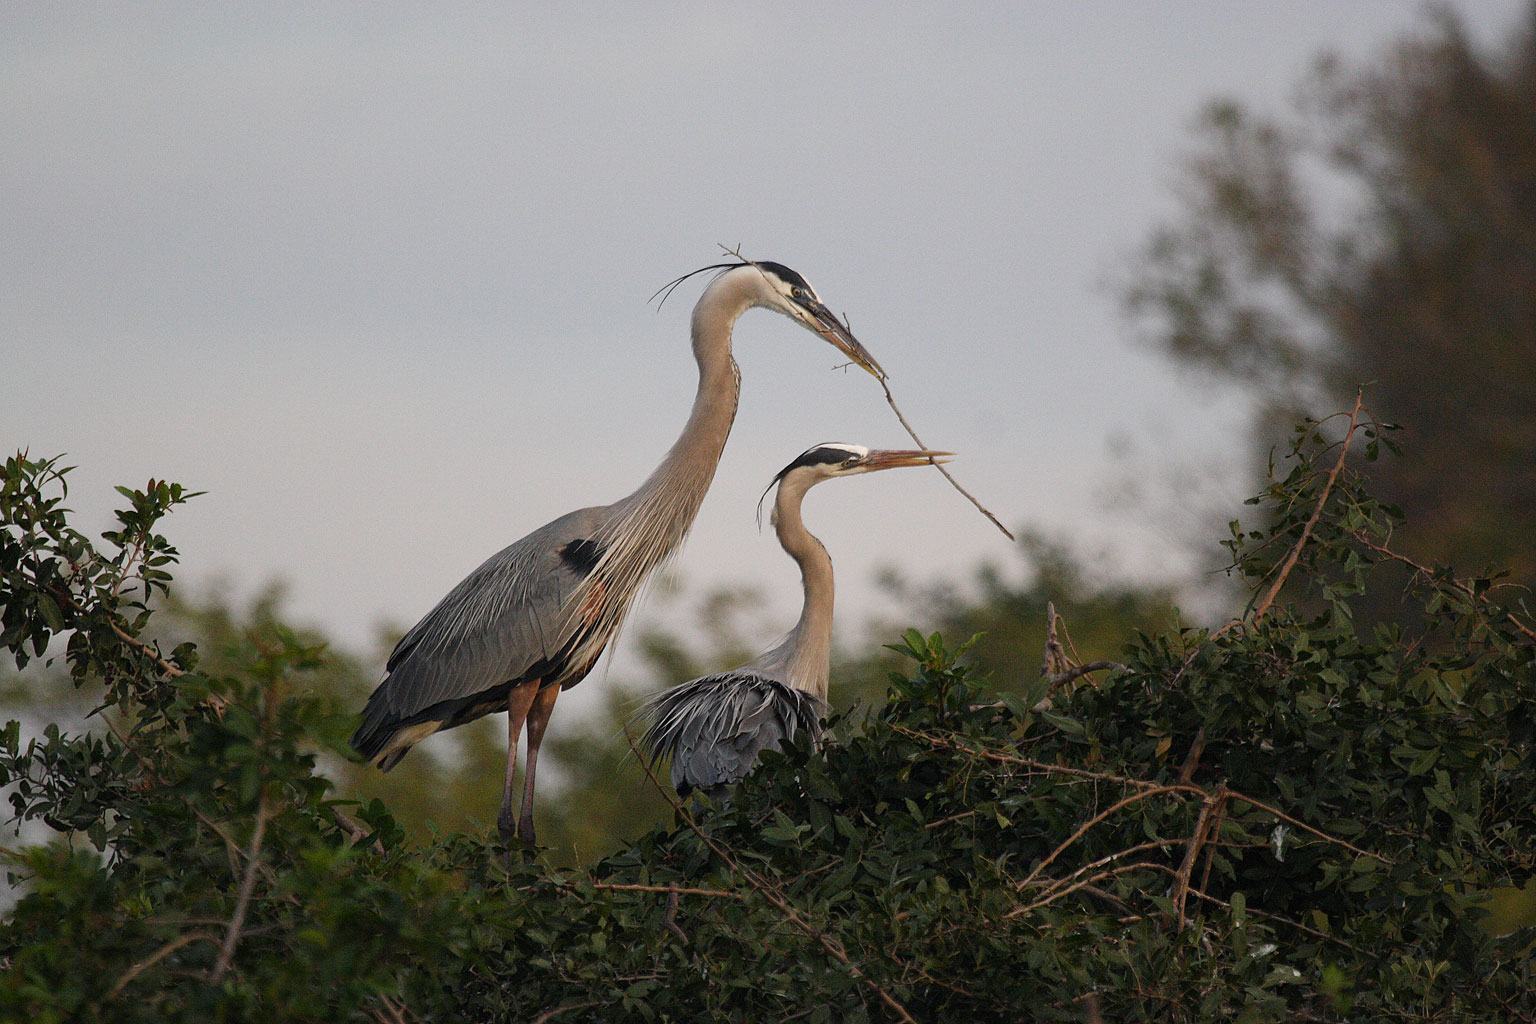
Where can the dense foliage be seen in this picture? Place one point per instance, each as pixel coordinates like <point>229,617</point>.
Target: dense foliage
<point>1284,817</point>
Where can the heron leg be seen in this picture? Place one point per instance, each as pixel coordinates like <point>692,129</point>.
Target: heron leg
<point>518,703</point>
<point>538,718</point>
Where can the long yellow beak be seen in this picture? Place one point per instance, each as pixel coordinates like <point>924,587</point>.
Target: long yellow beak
<point>897,459</point>
<point>834,331</point>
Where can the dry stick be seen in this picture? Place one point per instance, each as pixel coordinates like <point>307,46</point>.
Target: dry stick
<point>155,957</point>
<point>1024,762</point>
<point>1083,829</point>
<point>548,1015</point>
<point>1082,670</point>
<point>669,920</point>
<point>1382,549</point>
<point>1212,842</point>
<point>1052,658</point>
<point>1154,844</point>
<point>397,1013</point>
<point>891,401</point>
<point>1083,773</point>
<point>165,666</point>
<point>1087,883</point>
<point>1208,808</point>
<point>676,890</point>
<point>780,903</point>
<point>243,902</point>
<point>1306,532</point>
<point>353,829</point>
<point>1198,894</point>
<point>1235,795</point>
<point>1192,759</point>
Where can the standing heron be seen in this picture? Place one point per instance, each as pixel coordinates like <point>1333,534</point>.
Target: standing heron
<point>534,618</point>
<point>712,728</point>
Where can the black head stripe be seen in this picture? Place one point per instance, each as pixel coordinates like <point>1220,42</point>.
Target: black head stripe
<point>818,455</point>
<point>786,275</point>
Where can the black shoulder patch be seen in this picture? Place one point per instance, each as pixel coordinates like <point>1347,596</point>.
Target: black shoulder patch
<point>784,274</point>
<point>582,555</point>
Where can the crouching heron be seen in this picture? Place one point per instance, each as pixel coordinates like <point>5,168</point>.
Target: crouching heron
<point>713,728</point>
<point>534,618</point>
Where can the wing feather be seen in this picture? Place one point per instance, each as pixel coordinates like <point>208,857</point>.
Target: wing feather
<point>504,621</point>
<point>713,728</point>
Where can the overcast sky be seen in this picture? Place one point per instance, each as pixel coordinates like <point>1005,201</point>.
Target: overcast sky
<point>375,276</point>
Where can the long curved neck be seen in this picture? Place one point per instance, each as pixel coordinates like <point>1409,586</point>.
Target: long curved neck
<point>654,519</point>
<point>804,659</point>
<point>676,488</point>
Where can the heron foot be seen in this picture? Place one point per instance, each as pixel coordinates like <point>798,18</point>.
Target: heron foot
<point>507,825</point>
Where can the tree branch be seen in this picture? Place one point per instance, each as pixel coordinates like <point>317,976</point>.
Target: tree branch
<point>243,901</point>
<point>155,957</point>
<point>1306,531</point>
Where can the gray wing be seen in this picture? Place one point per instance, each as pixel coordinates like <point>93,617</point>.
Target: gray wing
<point>503,623</point>
<point>713,728</point>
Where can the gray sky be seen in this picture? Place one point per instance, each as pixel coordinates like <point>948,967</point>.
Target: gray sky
<point>375,276</point>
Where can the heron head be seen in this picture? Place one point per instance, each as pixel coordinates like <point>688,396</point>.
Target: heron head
<point>833,459</point>
<point>791,294</point>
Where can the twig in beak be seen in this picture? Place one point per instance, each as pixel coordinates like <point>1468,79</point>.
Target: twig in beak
<point>891,401</point>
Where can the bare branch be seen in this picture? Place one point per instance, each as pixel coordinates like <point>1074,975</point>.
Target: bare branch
<point>1053,660</point>
<point>243,901</point>
<point>1425,571</point>
<point>1070,674</point>
<point>548,1015</point>
<point>1085,826</point>
<point>1209,808</point>
<point>891,401</point>
<point>351,826</point>
<point>1306,532</point>
<point>155,957</point>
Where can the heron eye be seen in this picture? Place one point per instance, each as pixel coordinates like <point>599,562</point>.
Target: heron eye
<point>798,293</point>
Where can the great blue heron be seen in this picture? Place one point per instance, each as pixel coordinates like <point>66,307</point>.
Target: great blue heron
<point>534,618</point>
<point>712,728</point>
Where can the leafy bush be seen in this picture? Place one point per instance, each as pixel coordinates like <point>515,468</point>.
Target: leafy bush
<point>1283,818</point>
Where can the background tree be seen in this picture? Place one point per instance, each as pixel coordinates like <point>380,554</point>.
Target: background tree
<point>1384,232</point>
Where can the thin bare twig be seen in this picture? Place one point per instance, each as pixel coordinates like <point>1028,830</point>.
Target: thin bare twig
<point>243,901</point>
<point>669,920</point>
<point>1235,795</point>
<point>1083,773</point>
<point>1209,807</point>
<point>891,401</point>
<point>149,649</point>
<point>1198,894</point>
<point>1041,766</point>
<point>155,957</point>
<point>351,826</point>
<point>1063,678</point>
<point>680,890</point>
<point>1382,549</point>
<point>548,1015</point>
<point>1088,883</point>
<point>1306,531</point>
<point>398,1012</point>
<point>1192,759</point>
<point>1085,826</point>
<point>1053,660</point>
<point>1153,844</point>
